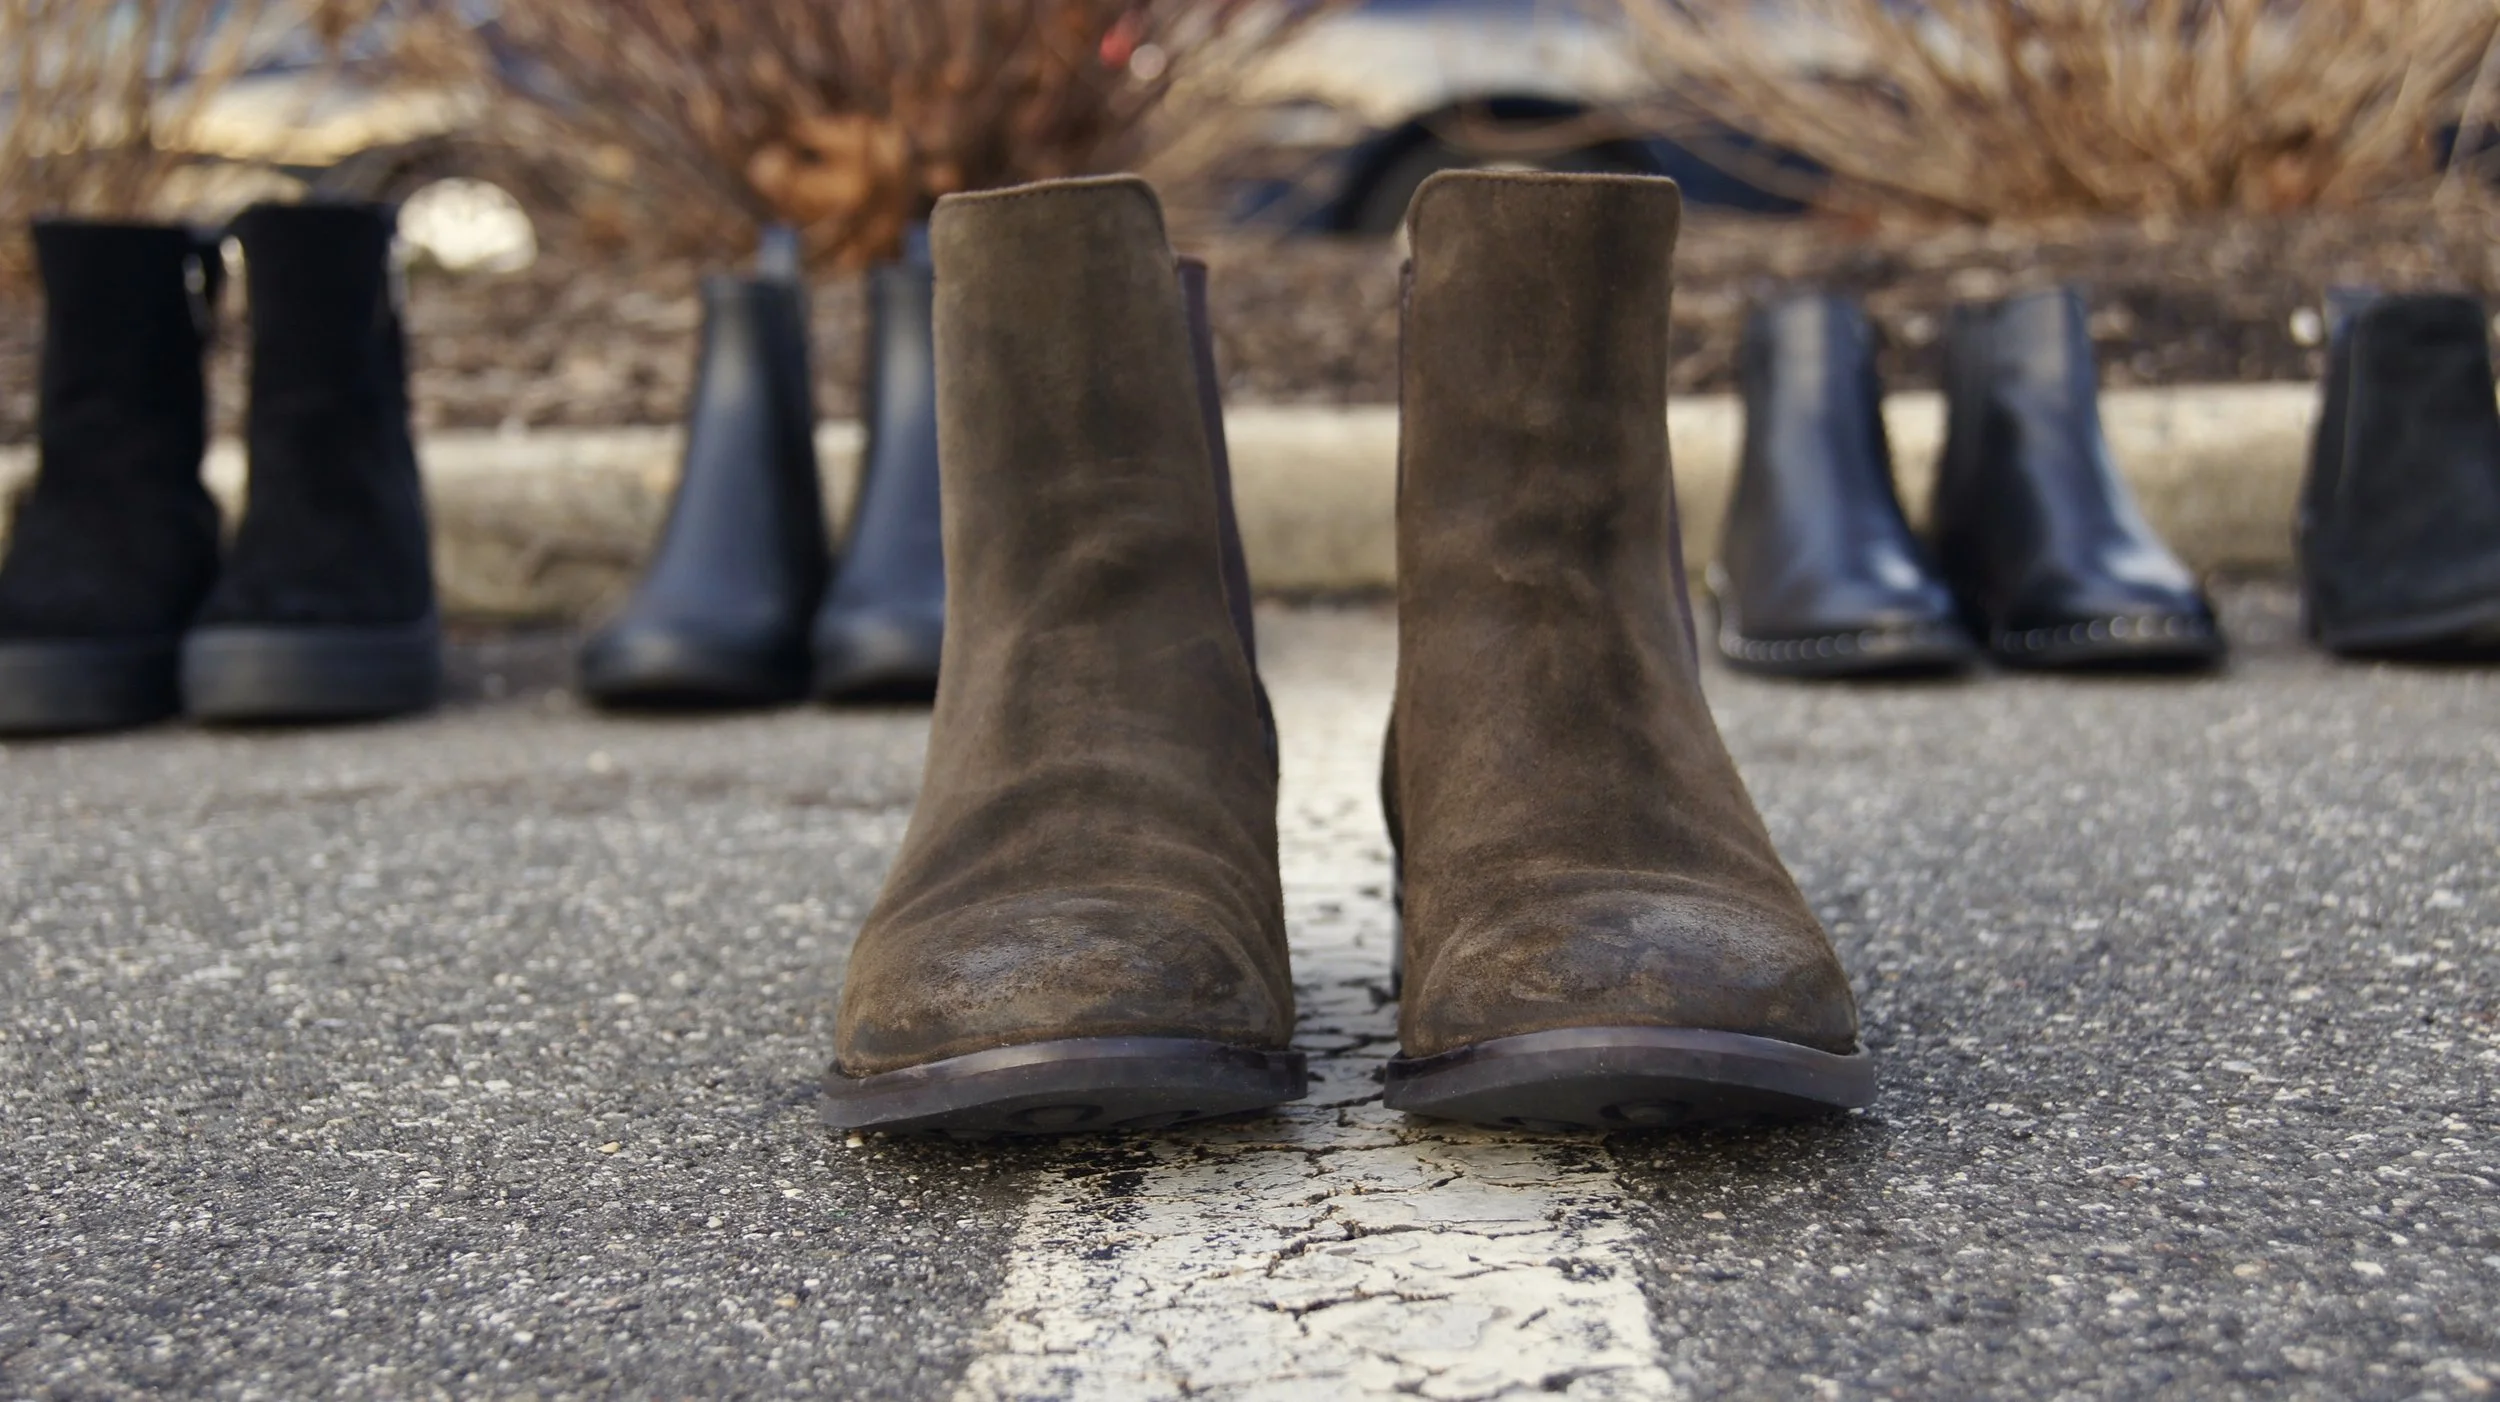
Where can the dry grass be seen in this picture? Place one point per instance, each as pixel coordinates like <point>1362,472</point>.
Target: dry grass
<point>849,118</point>
<point>102,102</point>
<point>1997,110</point>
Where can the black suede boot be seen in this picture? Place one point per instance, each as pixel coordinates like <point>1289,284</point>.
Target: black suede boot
<point>884,620</point>
<point>2039,536</point>
<point>2400,518</point>
<point>326,607</point>
<point>115,546</point>
<point>1818,574</point>
<point>720,617</point>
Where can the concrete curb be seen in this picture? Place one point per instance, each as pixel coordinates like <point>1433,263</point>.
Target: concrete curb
<point>550,526</point>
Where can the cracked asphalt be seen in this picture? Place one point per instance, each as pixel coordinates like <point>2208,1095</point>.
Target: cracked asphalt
<point>473,1055</point>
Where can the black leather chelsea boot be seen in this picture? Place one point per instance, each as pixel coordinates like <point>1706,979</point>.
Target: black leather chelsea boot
<point>884,620</point>
<point>2400,517</point>
<point>1818,574</point>
<point>115,545</point>
<point>325,610</point>
<point>2034,528</point>
<point>720,615</point>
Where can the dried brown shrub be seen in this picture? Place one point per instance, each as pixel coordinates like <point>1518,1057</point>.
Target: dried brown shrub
<point>103,103</point>
<point>849,118</point>
<point>1993,110</point>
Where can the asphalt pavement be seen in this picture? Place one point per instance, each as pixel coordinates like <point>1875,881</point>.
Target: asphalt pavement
<point>474,1056</point>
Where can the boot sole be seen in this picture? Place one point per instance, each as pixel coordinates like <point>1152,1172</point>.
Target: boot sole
<point>261,675</point>
<point>2467,632</point>
<point>2178,642</point>
<point>653,672</point>
<point>1925,650</point>
<point>1622,1078</point>
<point>62,686</point>
<point>1084,1085</point>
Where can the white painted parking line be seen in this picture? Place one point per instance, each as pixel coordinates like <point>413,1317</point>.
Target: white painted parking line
<point>1336,1250</point>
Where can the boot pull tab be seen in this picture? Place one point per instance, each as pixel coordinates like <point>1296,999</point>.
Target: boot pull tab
<point>778,257</point>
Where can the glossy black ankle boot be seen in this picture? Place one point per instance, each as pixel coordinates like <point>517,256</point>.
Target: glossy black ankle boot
<point>325,610</point>
<point>1818,574</point>
<point>115,546</point>
<point>2400,518</point>
<point>884,620</point>
<point>2042,542</point>
<point>720,616</point>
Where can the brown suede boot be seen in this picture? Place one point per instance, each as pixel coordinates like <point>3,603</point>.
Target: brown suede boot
<point>1084,929</point>
<point>1598,932</point>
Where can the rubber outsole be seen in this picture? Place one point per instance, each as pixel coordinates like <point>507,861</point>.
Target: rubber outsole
<point>63,686</point>
<point>2468,632</point>
<point>2166,642</point>
<point>1928,649</point>
<point>1933,648</point>
<point>650,670</point>
<point>265,675</point>
<point>1084,1085</point>
<point>1626,1078</point>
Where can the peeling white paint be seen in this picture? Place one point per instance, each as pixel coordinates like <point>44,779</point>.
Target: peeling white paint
<point>1336,1250</point>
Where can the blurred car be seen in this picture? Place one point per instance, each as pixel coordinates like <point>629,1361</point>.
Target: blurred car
<point>1360,107</point>
<point>288,115</point>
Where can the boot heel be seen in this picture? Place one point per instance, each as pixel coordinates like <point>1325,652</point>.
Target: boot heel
<point>254,675</point>
<point>61,686</point>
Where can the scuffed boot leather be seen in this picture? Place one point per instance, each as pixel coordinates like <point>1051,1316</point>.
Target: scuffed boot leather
<point>115,545</point>
<point>1084,928</point>
<point>2400,517</point>
<point>883,623</point>
<point>1818,573</point>
<point>721,613</point>
<point>325,610</point>
<point>1597,930</point>
<point>2034,528</point>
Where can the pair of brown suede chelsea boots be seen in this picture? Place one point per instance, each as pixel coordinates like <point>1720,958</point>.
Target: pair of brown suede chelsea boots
<point>1085,927</point>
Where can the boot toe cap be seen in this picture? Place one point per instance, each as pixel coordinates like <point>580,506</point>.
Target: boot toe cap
<point>1053,968</point>
<point>1637,959</point>
<point>873,652</point>
<point>659,662</point>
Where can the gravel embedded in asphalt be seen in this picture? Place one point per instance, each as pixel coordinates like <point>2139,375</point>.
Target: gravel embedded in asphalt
<point>2188,998</point>
<point>474,1055</point>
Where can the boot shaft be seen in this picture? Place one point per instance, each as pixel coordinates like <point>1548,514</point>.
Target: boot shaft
<point>1814,420</point>
<point>1236,563</point>
<point>749,501</point>
<point>892,552</point>
<point>2401,510</point>
<point>1069,409</point>
<point>1533,389</point>
<point>2023,419</point>
<point>128,313</point>
<point>335,529</point>
<point>119,537</point>
<point>326,334</point>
